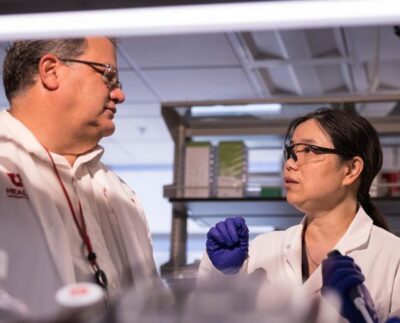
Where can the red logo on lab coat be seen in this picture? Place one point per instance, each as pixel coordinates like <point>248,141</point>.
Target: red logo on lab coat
<point>18,190</point>
<point>15,179</point>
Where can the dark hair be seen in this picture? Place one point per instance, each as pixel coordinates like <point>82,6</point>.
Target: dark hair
<point>352,135</point>
<point>20,65</point>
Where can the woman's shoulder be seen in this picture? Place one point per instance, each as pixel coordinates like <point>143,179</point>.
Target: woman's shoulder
<point>385,239</point>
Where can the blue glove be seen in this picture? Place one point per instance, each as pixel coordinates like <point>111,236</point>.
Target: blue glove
<point>393,320</point>
<point>228,244</point>
<point>341,274</point>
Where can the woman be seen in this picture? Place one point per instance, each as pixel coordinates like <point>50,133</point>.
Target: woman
<point>331,158</point>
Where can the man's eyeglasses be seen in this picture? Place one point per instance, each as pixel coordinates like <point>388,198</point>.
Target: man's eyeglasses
<point>305,153</point>
<point>110,74</point>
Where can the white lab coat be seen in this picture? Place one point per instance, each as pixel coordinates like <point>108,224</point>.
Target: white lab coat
<point>375,250</point>
<point>32,232</point>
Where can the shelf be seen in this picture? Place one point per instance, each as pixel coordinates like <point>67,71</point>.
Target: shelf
<point>259,211</point>
<point>184,126</point>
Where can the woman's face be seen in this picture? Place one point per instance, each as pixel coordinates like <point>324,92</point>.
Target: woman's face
<point>314,181</point>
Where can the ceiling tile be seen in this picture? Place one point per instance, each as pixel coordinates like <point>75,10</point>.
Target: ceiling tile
<point>321,42</point>
<point>388,73</point>
<point>282,79</point>
<point>372,41</point>
<point>331,77</point>
<point>267,44</point>
<point>180,50</point>
<point>205,84</point>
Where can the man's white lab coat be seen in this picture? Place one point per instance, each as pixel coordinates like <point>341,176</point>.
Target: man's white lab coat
<point>278,255</point>
<point>32,232</point>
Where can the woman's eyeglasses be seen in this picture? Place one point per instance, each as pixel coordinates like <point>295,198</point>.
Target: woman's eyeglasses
<point>110,74</point>
<point>303,153</point>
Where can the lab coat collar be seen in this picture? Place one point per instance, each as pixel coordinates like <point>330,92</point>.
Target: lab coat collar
<point>356,237</point>
<point>292,250</point>
<point>17,132</point>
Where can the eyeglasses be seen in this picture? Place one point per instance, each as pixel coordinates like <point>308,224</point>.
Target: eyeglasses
<point>305,153</point>
<point>110,74</point>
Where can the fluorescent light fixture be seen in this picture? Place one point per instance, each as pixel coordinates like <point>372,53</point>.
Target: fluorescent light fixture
<point>236,110</point>
<point>202,18</point>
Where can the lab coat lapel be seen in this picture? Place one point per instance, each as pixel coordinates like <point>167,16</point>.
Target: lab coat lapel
<point>357,235</point>
<point>133,230</point>
<point>293,249</point>
<point>292,252</point>
<point>314,283</point>
<point>26,148</point>
<point>51,223</point>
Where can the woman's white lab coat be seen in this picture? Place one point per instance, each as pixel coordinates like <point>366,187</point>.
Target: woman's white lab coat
<point>375,250</point>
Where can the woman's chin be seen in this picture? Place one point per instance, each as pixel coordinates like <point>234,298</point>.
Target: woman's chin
<point>296,202</point>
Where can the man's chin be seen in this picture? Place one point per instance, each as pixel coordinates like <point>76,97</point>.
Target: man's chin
<point>108,131</point>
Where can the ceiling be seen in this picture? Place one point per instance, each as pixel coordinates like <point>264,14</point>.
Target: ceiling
<point>259,64</point>
<point>240,64</point>
<point>269,64</point>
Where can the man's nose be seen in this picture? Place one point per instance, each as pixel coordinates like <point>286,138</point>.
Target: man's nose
<point>117,95</point>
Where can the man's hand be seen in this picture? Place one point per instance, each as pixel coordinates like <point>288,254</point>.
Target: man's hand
<point>228,244</point>
<point>341,274</point>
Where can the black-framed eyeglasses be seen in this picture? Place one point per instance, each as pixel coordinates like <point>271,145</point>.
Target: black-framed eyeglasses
<point>304,153</point>
<point>110,74</point>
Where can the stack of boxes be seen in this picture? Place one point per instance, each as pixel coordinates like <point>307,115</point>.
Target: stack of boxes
<point>209,172</point>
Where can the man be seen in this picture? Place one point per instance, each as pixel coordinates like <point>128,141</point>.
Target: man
<point>65,217</point>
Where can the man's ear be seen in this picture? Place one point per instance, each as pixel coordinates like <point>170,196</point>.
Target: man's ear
<point>353,170</point>
<point>48,71</point>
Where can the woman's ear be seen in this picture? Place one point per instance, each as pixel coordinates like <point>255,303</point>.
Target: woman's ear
<point>48,71</point>
<point>353,170</point>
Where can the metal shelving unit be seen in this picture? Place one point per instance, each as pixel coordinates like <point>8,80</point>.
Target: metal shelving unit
<point>183,127</point>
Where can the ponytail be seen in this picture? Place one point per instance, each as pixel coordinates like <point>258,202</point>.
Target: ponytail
<point>369,207</point>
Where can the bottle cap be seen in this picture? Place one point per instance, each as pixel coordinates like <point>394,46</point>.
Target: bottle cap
<point>79,295</point>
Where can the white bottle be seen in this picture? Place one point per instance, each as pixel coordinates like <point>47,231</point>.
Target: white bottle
<point>85,300</point>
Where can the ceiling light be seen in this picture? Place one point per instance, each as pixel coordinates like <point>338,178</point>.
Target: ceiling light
<point>201,18</point>
<point>235,110</point>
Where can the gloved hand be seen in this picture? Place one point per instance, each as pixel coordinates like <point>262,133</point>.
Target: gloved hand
<point>393,320</point>
<point>341,274</point>
<point>228,244</point>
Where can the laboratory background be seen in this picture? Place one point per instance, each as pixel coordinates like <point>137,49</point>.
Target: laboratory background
<point>200,134</point>
<point>256,79</point>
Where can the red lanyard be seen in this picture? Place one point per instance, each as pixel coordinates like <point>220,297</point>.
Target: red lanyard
<point>99,274</point>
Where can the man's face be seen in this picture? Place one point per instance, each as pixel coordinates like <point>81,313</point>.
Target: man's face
<point>90,105</point>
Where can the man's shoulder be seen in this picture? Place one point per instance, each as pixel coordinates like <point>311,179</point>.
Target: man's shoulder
<point>112,175</point>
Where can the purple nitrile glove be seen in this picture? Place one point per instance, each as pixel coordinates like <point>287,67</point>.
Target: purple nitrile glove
<point>393,320</point>
<point>342,275</point>
<point>228,244</point>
